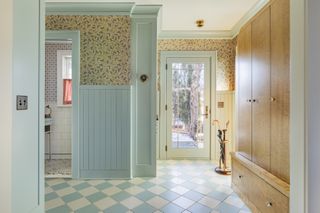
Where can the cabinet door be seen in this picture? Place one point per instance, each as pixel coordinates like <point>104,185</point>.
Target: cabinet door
<point>280,89</point>
<point>261,89</point>
<point>244,91</point>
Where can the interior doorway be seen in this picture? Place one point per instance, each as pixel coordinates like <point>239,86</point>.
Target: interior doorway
<point>62,70</point>
<point>186,100</point>
<point>58,108</point>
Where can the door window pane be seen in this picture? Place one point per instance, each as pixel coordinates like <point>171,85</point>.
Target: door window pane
<point>187,105</point>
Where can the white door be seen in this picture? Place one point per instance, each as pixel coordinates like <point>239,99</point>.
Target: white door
<point>188,107</point>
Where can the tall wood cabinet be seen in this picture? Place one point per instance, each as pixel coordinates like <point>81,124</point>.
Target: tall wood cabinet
<point>263,107</point>
<point>260,73</point>
<point>280,89</point>
<point>244,92</point>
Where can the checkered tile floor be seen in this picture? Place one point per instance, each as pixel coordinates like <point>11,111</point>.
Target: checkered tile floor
<point>180,186</point>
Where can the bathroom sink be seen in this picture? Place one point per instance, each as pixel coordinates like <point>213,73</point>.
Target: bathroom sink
<point>48,121</point>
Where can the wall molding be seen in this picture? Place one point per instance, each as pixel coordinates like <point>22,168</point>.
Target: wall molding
<point>252,12</point>
<point>97,8</point>
<point>105,87</point>
<point>188,34</point>
<point>102,9</point>
<point>145,11</point>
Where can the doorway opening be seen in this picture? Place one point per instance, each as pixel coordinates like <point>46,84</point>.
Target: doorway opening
<point>61,104</point>
<point>58,110</point>
<point>187,106</point>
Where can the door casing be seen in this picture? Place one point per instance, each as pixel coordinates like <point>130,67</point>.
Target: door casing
<point>212,56</point>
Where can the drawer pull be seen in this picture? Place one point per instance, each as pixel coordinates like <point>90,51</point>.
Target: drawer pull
<point>269,204</point>
<point>240,176</point>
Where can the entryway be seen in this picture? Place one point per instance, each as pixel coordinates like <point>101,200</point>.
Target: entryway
<point>61,103</point>
<point>187,95</point>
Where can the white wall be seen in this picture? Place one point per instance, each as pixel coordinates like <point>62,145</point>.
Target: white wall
<point>6,17</point>
<point>60,131</point>
<point>313,105</point>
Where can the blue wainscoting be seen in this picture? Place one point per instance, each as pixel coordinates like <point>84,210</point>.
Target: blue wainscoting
<point>104,132</point>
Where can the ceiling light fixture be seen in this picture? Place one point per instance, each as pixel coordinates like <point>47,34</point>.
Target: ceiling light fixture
<point>200,22</point>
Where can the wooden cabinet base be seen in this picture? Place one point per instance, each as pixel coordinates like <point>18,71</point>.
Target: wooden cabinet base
<point>259,189</point>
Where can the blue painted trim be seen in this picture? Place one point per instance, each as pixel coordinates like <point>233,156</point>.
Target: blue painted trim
<point>86,8</point>
<point>145,11</point>
<point>143,96</point>
<point>105,87</point>
<point>75,37</point>
<point>41,101</point>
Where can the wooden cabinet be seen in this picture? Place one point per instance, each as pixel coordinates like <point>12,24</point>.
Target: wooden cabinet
<point>262,191</point>
<point>244,92</point>
<point>263,89</point>
<point>280,106</point>
<point>260,41</point>
<point>263,82</point>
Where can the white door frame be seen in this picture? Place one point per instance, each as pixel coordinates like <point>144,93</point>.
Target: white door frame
<point>212,55</point>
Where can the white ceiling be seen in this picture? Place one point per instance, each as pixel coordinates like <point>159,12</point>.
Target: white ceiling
<point>179,16</point>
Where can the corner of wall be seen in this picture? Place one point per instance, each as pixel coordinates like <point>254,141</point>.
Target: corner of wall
<point>6,23</point>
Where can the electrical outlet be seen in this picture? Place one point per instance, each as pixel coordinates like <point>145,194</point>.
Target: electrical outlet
<point>22,102</point>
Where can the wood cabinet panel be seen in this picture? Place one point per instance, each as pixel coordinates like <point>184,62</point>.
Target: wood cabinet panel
<point>244,91</point>
<point>280,165</point>
<point>261,89</point>
<point>257,192</point>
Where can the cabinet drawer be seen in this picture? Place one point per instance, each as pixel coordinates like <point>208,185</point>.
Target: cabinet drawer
<point>239,177</point>
<point>259,193</point>
<point>265,197</point>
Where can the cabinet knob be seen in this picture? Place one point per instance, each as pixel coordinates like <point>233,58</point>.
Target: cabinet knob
<point>248,100</point>
<point>254,100</point>
<point>269,204</point>
<point>240,176</point>
<point>273,99</point>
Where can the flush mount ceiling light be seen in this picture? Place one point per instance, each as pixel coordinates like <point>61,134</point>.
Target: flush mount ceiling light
<point>200,22</point>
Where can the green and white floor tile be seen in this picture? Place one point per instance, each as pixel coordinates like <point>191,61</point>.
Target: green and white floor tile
<point>180,186</point>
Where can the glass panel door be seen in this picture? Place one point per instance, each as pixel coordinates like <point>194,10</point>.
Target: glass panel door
<point>188,83</point>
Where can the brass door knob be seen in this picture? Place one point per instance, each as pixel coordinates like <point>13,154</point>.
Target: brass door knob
<point>143,77</point>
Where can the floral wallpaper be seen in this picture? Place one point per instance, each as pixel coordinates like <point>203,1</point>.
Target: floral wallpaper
<point>104,48</point>
<point>226,52</point>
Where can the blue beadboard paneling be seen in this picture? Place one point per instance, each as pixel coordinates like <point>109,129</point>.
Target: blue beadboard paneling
<point>104,132</point>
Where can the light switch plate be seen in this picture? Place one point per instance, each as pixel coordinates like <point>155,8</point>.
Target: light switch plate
<point>22,102</point>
